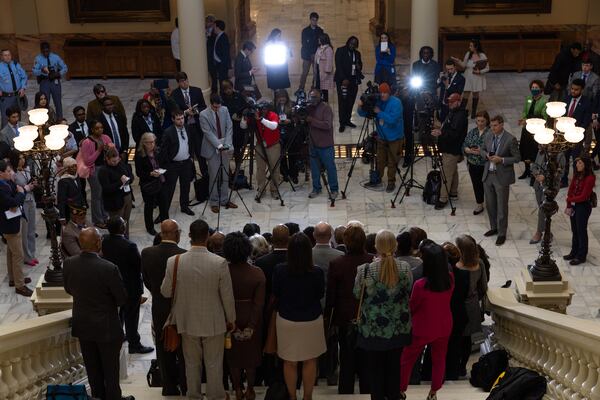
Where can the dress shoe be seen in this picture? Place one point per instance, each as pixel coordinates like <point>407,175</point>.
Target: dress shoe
<point>157,220</point>
<point>214,209</point>
<point>187,211</point>
<point>535,241</point>
<point>390,187</point>
<point>568,257</point>
<point>500,240</point>
<point>141,349</point>
<point>128,398</point>
<point>373,184</point>
<point>24,291</point>
<point>439,205</point>
<point>231,204</point>
<point>152,232</point>
<point>576,261</point>
<point>26,280</point>
<point>478,210</point>
<point>342,129</point>
<point>313,194</point>
<point>491,232</point>
<point>349,124</point>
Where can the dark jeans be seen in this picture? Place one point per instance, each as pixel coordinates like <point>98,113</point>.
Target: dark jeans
<point>323,157</point>
<point>101,360</point>
<point>476,174</point>
<point>384,372</point>
<point>579,223</point>
<point>150,202</point>
<point>171,364</point>
<point>184,171</point>
<point>352,363</point>
<point>129,313</point>
<point>346,102</point>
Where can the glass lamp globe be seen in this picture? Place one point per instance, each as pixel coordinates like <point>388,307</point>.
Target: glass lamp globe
<point>544,136</point>
<point>38,116</point>
<point>563,124</point>
<point>23,143</point>
<point>556,109</point>
<point>535,124</point>
<point>29,131</point>
<point>54,142</point>
<point>60,130</point>
<point>574,134</point>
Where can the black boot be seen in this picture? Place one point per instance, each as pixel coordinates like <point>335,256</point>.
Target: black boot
<point>474,107</point>
<point>527,173</point>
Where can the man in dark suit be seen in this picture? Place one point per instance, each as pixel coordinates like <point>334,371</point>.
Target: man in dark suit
<point>98,291</point>
<point>268,371</point>
<point>154,265</point>
<point>242,67</point>
<point>501,151</point>
<point>94,107</point>
<point>450,82</point>
<point>580,108</point>
<point>79,128</point>
<point>348,75</point>
<point>115,126</point>
<point>565,63</point>
<point>124,253</point>
<point>176,154</point>
<point>221,54</point>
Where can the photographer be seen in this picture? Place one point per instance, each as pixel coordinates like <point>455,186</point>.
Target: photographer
<point>49,68</point>
<point>449,82</point>
<point>235,104</point>
<point>268,149</point>
<point>320,122</point>
<point>450,139</point>
<point>348,75</point>
<point>389,125</point>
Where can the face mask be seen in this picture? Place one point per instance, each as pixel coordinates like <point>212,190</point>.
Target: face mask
<point>535,91</point>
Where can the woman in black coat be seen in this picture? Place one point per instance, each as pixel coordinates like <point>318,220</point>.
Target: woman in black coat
<point>115,178</point>
<point>145,120</point>
<point>147,168</point>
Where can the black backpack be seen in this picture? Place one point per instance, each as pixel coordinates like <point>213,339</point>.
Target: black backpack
<point>485,371</point>
<point>521,384</point>
<point>431,192</point>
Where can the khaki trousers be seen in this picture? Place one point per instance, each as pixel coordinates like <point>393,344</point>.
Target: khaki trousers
<point>388,154</point>
<point>450,167</point>
<point>14,259</point>
<point>124,212</point>
<point>273,154</point>
<point>211,350</point>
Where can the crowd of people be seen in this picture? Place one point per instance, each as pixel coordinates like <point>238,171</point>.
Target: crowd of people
<point>280,308</point>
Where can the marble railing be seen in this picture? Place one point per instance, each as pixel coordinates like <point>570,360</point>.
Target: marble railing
<point>35,353</point>
<point>563,348</point>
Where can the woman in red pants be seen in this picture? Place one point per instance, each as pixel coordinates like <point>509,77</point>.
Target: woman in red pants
<point>431,317</point>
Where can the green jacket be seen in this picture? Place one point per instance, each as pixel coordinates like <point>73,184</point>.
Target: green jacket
<point>540,107</point>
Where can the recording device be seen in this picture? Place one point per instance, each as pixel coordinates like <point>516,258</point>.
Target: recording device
<point>369,99</point>
<point>369,146</point>
<point>425,106</point>
<point>224,148</point>
<point>251,107</point>
<point>301,106</point>
<point>195,110</point>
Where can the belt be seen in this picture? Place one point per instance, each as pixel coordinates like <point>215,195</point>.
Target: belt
<point>9,94</point>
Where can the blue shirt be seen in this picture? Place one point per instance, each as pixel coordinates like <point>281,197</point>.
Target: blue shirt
<point>389,122</point>
<point>55,62</point>
<point>19,75</point>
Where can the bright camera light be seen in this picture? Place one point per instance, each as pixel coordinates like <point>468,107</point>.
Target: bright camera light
<point>275,54</point>
<point>416,82</point>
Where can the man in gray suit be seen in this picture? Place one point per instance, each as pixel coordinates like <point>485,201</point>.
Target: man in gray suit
<point>591,80</point>
<point>217,148</point>
<point>501,151</point>
<point>204,309</point>
<point>10,130</point>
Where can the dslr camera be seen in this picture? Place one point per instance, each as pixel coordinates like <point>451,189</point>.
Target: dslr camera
<point>300,108</point>
<point>251,108</point>
<point>369,99</point>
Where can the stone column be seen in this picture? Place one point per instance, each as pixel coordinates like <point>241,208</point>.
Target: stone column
<point>424,27</point>
<point>192,42</point>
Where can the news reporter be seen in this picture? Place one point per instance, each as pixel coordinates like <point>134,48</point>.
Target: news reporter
<point>268,149</point>
<point>389,125</point>
<point>579,208</point>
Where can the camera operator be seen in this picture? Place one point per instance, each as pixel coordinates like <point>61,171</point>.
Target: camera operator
<point>389,125</point>
<point>235,104</point>
<point>290,139</point>
<point>268,148</point>
<point>451,136</point>
<point>449,82</point>
<point>427,69</point>
<point>348,75</point>
<point>320,123</point>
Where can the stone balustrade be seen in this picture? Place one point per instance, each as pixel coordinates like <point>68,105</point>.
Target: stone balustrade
<point>35,353</point>
<point>563,348</point>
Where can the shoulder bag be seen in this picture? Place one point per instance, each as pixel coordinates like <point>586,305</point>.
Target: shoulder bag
<point>352,333</point>
<point>171,338</point>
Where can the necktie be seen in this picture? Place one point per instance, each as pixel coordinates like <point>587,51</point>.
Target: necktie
<point>82,127</point>
<point>495,144</point>
<point>182,134</point>
<point>48,62</point>
<point>219,134</point>
<point>115,131</point>
<point>572,108</point>
<point>584,78</point>
<point>12,78</point>
<point>186,95</point>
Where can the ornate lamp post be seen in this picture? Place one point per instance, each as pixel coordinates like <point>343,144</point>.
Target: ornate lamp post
<point>43,152</point>
<point>563,135</point>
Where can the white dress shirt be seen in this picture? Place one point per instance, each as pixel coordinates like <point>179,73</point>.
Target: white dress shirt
<point>184,148</point>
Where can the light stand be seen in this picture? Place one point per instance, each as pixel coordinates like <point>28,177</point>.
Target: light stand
<point>556,140</point>
<point>42,149</point>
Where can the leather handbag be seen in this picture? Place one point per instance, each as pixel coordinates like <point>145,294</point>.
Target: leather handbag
<point>171,338</point>
<point>352,334</point>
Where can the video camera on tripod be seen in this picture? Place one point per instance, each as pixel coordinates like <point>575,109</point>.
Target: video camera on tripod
<point>301,107</point>
<point>369,99</point>
<point>425,106</point>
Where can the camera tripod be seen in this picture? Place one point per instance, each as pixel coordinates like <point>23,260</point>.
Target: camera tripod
<point>368,122</point>
<point>409,173</point>
<point>218,182</point>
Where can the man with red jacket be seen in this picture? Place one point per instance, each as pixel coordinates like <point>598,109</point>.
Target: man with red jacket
<point>268,149</point>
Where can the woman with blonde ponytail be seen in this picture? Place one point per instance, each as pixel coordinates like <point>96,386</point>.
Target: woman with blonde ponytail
<point>384,324</point>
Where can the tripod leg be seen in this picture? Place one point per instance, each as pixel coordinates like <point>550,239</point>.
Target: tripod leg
<point>438,160</point>
<point>361,136</point>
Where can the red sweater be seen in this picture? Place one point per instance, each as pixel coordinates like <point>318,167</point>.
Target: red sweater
<point>430,311</point>
<point>270,136</point>
<point>580,189</point>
